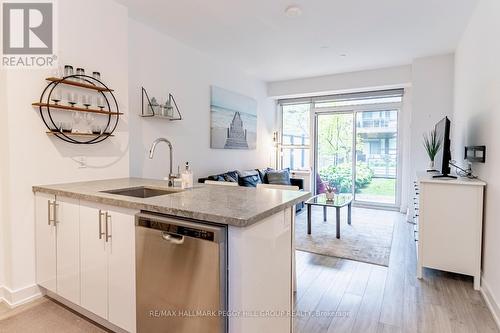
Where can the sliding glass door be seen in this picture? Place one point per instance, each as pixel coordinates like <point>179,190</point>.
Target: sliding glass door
<point>376,156</point>
<point>356,152</point>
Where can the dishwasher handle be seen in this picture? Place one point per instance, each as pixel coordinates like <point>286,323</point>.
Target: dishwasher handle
<point>172,238</point>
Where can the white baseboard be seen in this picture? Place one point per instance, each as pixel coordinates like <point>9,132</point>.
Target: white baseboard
<point>17,297</point>
<point>490,302</point>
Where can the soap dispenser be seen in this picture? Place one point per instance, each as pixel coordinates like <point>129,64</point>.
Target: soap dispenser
<point>187,177</point>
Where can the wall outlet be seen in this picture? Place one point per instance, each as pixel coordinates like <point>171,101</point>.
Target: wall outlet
<point>82,161</point>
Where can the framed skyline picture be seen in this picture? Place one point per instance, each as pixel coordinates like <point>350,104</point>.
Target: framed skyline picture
<point>233,120</point>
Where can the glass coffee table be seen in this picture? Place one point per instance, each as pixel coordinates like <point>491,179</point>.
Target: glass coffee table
<point>340,200</point>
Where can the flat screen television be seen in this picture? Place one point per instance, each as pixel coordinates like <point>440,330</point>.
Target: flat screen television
<point>443,157</point>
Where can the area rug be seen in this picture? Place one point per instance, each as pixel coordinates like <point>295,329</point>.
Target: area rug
<point>367,239</point>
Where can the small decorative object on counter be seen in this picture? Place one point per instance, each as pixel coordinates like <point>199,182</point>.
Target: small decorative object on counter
<point>330,193</point>
<point>187,177</point>
<point>432,145</point>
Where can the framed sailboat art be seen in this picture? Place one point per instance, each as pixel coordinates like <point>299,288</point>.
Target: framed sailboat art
<point>233,120</point>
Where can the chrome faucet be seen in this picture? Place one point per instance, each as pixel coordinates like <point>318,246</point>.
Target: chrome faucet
<point>171,175</point>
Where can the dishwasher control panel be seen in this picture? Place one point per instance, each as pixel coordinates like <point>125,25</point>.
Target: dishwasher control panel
<point>177,229</point>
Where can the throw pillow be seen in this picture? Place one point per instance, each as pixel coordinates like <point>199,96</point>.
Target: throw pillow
<point>231,176</point>
<point>249,178</point>
<point>278,177</point>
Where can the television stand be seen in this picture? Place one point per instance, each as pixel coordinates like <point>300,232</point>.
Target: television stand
<point>444,176</point>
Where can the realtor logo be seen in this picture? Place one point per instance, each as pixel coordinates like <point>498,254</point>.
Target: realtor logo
<point>28,34</point>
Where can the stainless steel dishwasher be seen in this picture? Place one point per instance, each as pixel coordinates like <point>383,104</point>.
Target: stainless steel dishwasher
<point>181,275</point>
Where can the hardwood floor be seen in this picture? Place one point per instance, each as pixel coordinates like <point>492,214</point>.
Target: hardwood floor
<point>367,298</point>
<point>358,297</point>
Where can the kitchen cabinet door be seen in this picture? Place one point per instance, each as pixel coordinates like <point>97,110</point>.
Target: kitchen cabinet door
<point>45,240</point>
<point>121,268</point>
<point>93,260</point>
<point>68,249</point>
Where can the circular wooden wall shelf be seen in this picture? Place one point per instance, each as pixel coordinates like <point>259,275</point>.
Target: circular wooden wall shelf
<point>111,110</point>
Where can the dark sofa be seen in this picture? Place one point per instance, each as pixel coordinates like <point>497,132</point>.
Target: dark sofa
<point>250,178</point>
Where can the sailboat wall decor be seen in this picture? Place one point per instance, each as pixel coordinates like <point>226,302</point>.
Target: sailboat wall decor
<point>233,120</point>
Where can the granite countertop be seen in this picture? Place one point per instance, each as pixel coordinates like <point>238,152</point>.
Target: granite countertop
<point>236,206</point>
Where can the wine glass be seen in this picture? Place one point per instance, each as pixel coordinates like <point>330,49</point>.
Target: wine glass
<point>72,98</point>
<point>58,72</point>
<point>87,101</point>
<point>101,102</point>
<point>89,117</point>
<point>56,96</point>
<point>96,129</point>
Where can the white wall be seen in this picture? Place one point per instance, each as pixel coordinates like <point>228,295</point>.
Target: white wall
<point>476,121</point>
<point>35,158</point>
<point>384,78</point>
<point>162,64</point>
<point>432,85</point>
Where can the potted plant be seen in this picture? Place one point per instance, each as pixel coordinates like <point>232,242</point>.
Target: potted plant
<point>330,193</point>
<point>432,145</point>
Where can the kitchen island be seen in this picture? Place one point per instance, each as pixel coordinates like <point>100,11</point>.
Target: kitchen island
<point>89,255</point>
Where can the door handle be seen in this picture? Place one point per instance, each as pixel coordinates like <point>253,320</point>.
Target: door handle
<point>107,231</point>
<point>100,224</point>
<point>174,239</point>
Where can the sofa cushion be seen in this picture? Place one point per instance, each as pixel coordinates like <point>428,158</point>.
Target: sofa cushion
<point>231,176</point>
<point>262,174</point>
<point>278,177</point>
<point>249,178</point>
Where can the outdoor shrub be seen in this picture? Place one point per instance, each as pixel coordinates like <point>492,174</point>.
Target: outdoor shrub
<point>340,176</point>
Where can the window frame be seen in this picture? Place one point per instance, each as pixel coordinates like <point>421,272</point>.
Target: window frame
<point>282,146</point>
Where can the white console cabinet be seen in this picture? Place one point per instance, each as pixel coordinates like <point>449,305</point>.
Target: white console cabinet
<point>450,225</point>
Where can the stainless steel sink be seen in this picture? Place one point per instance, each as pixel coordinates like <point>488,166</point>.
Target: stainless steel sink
<point>141,192</point>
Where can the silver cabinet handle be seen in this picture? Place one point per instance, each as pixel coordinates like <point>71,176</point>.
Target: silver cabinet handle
<point>100,224</point>
<point>52,217</point>
<point>55,212</point>
<point>49,206</point>
<point>108,220</point>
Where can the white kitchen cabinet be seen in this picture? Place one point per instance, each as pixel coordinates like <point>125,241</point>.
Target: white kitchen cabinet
<point>121,269</point>
<point>57,245</point>
<point>45,239</point>
<point>108,263</point>
<point>93,260</point>
<point>68,248</point>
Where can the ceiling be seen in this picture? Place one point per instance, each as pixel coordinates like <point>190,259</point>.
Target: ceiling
<point>331,36</point>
